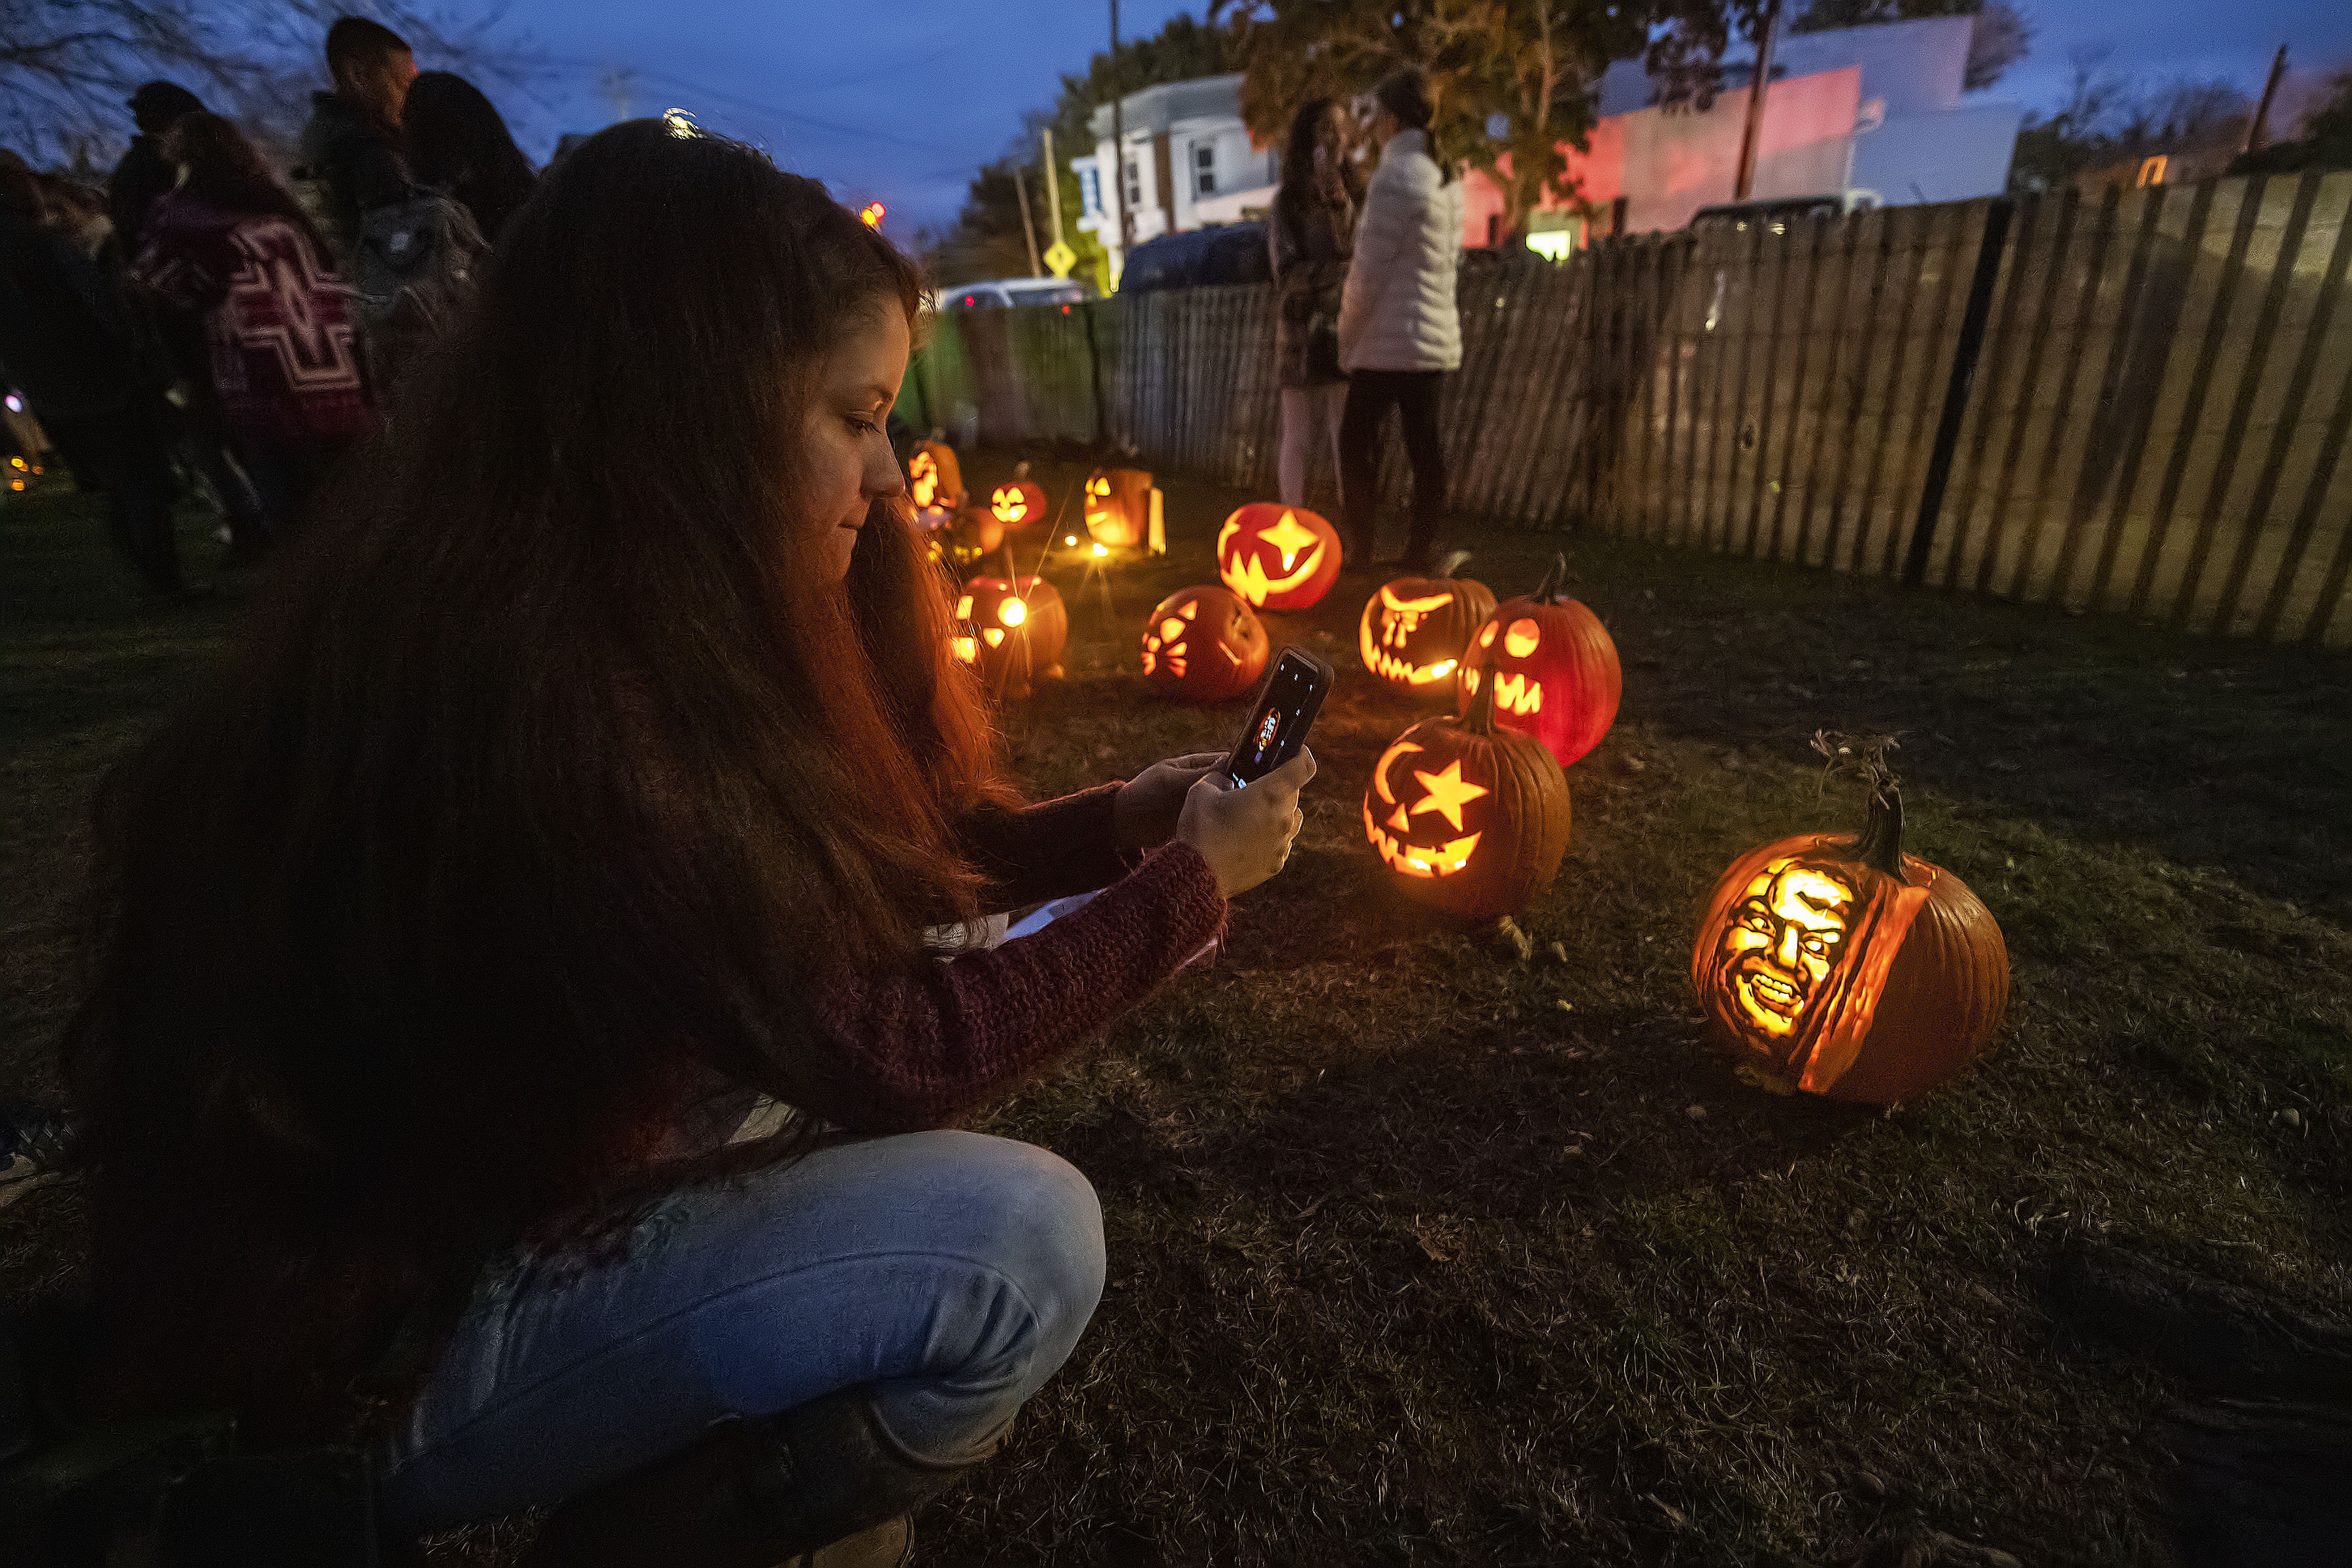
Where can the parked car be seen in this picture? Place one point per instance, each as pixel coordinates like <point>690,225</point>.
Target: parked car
<point>1003,293</point>
<point>1223,253</point>
<point>1777,213</point>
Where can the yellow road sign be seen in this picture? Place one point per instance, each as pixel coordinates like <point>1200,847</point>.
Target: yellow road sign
<point>1059,257</point>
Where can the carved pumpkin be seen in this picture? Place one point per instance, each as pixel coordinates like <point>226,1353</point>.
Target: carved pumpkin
<point>1413,630</point>
<point>1843,967</point>
<point>1123,510</point>
<point>934,478</point>
<point>1468,818</point>
<point>972,533</point>
<point>1556,671</point>
<point>1278,557</point>
<point>1204,645</point>
<point>1014,631</point>
<point>1019,503</point>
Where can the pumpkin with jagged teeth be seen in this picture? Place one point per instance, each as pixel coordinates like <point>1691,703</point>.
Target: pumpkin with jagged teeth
<point>1278,557</point>
<point>934,478</point>
<point>1414,631</point>
<point>1204,645</point>
<point>1555,670</point>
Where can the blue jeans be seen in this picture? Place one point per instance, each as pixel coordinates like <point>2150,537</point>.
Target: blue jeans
<point>953,1270</point>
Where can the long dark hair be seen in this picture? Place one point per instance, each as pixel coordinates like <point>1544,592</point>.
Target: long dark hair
<point>226,171</point>
<point>458,139</point>
<point>548,782</point>
<point>1309,128</point>
<point>1405,94</point>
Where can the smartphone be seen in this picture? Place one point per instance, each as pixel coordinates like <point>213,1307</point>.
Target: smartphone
<point>1285,706</point>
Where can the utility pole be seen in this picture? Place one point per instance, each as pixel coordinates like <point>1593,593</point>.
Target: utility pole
<point>1118,150</point>
<point>1053,182</point>
<point>1028,228</point>
<point>2258,128</point>
<point>1743,185</point>
<point>618,88</point>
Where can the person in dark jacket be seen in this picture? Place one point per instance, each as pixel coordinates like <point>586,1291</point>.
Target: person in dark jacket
<point>458,143</point>
<point>352,147</point>
<point>144,173</point>
<point>1310,238</point>
<point>74,346</point>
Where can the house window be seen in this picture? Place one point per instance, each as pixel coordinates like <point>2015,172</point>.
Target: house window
<point>1090,190</point>
<point>2151,170</point>
<point>1134,185</point>
<point>1204,168</point>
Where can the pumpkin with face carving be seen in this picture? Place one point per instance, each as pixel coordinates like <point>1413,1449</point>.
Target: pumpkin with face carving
<point>1415,629</point>
<point>934,478</point>
<point>1019,504</point>
<point>1204,645</point>
<point>1556,674</point>
<point>1467,819</point>
<point>1846,968</point>
<point>972,533</point>
<point>1278,557</point>
<point>1121,505</point>
<point>1012,631</point>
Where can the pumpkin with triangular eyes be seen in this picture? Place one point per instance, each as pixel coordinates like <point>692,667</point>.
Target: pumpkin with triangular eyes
<point>1014,630</point>
<point>1019,503</point>
<point>1555,669</point>
<point>1278,557</point>
<point>1412,631</point>
<point>1204,645</point>
<point>1120,504</point>
<point>934,478</point>
<point>1466,818</point>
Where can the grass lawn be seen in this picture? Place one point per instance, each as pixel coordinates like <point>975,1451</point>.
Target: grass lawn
<point>1423,1253</point>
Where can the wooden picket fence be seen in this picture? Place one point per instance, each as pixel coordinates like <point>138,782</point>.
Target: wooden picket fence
<point>2134,405</point>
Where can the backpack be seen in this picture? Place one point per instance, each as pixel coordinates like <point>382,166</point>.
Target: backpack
<point>413,271</point>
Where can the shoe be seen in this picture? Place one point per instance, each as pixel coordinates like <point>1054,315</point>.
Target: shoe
<point>36,1142</point>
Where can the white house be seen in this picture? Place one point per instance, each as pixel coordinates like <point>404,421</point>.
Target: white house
<point>1189,164</point>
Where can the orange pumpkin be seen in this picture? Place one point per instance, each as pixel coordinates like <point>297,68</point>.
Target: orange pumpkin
<point>1014,631</point>
<point>934,478</point>
<point>1020,502</point>
<point>1120,507</point>
<point>1414,631</point>
<point>1846,968</point>
<point>1556,674</point>
<point>1204,645</point>
<point>1278,557</point>
<point>1468,818</point>
<point>972,533</point>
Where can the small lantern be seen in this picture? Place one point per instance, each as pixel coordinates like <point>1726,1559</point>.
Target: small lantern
<point>1012,631</point>
<point>1556,674</point>
<point>1278,557</point>
<point>934,478</point>
<point>1413,630</point>
<point>1124,510</point>
<point>1466,818</point>
<point>1846,968</point>
<point>1204,645</point>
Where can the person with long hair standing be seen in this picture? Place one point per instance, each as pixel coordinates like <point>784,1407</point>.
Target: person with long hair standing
<point>231,248</point>
<point>1399,332</point>
<point>1314,225</point>
<point>563,820</point>
<point>457,143</point>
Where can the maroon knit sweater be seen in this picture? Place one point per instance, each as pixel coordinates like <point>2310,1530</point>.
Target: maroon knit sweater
<point>917,1050</point>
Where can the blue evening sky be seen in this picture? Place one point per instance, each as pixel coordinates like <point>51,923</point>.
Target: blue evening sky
<point>900,100</point>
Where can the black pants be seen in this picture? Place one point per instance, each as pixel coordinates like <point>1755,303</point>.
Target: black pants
<point>127,454</point>
<point>1370,394</point>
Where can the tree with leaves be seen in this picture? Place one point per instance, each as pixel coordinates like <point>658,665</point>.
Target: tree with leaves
<point>2109,118</point>
<point>2001,38</point>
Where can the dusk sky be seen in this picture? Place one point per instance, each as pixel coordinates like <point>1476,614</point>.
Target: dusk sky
<point>900,101</point>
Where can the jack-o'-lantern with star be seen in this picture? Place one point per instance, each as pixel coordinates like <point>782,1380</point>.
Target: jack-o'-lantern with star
<point>934,477</point>
<point>1466,818</point>
<point>1014,631</point>
<point>1414,631</point>
<point>1019,503</point>
<point>1555,669</point>
<point>1204,645</point>
<point>1845,968</point>
<point>1278,557</point>
<point>1123,511</point>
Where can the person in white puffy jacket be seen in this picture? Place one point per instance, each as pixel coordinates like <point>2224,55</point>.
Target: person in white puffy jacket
<point>1399,330</point>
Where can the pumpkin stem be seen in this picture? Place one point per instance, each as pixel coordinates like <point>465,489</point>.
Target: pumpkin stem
<point>1880,844</point>
<point>1478,718</point>
<point>1559,568</point>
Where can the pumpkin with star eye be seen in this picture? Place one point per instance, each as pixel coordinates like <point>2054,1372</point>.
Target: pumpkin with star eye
<point>1123,510</point>
<point>1556,674</point>
<point>1012,631</point>
<point>1414,631</point>
<point>1845,968</point>
<point>934,478</point>
<point>1204,645</point>
<point>1278,557</point>
<point>1019,503</point>
<point>1468,818</point>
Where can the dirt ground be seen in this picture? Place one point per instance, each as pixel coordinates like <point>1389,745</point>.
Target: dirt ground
<point>1423,1253</point>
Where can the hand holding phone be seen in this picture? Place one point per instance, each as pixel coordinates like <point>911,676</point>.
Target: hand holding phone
<point>1244,831</point>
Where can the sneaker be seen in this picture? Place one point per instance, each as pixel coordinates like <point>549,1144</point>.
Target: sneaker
<point>36,1145</point>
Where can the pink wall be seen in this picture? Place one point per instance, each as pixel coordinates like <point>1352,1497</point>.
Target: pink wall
<point>1671,162</point>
